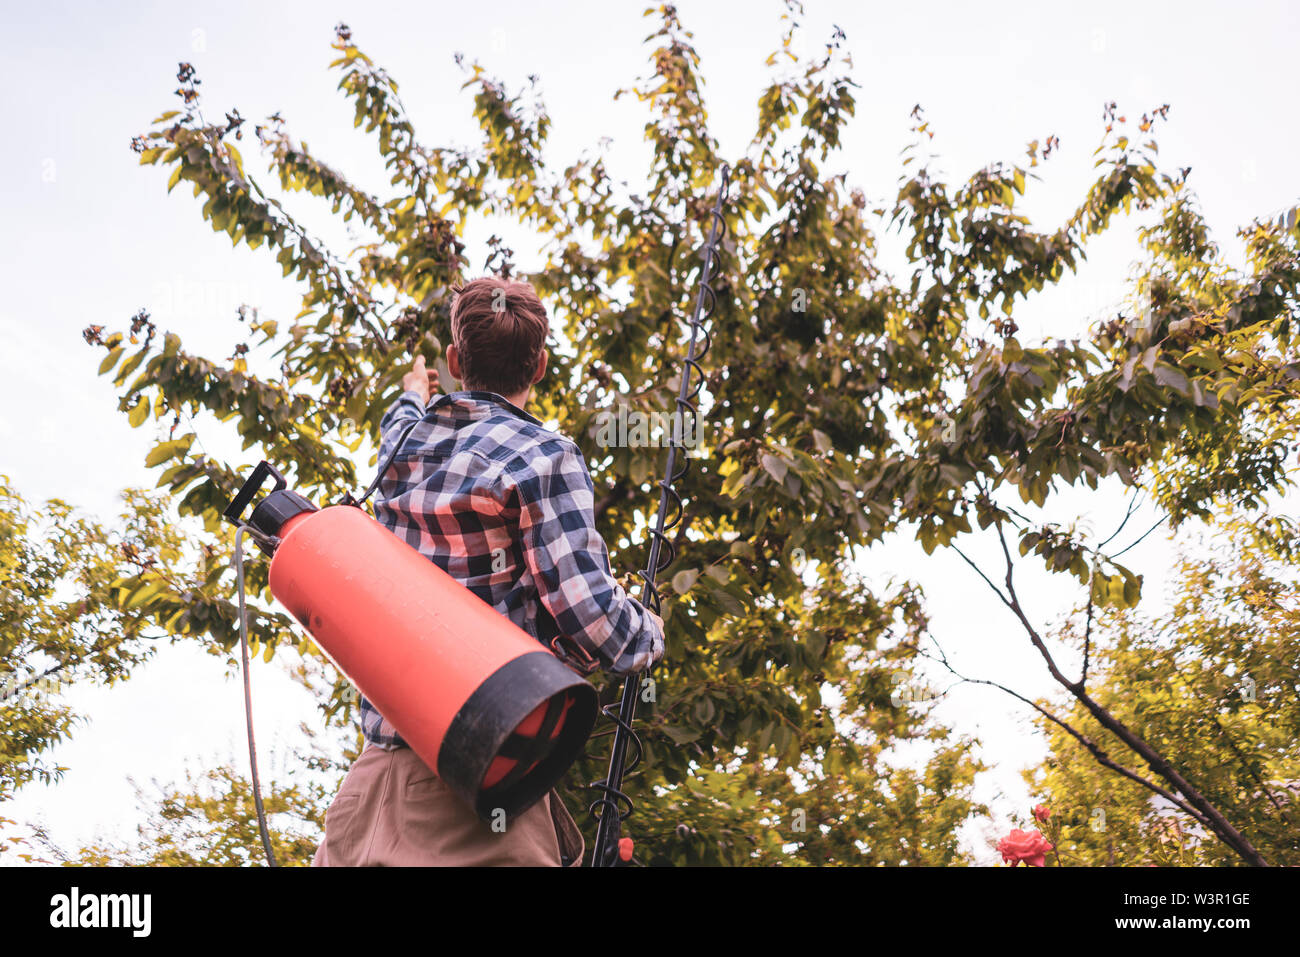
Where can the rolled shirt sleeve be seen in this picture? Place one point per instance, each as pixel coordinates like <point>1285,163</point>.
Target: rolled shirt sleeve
<point>406,408</point>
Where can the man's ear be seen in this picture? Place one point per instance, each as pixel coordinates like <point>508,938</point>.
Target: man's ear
<point>453,363</point>
<point>541,367</point>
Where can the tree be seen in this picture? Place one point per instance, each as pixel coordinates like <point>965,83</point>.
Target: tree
<point>1193,400</point>
<point>843,405</point>
<point>362,318</point>
<point>70,594</point>
<point>1216,683</point>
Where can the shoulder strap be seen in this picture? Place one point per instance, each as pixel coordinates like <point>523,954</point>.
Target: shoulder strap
<point>383,469</point>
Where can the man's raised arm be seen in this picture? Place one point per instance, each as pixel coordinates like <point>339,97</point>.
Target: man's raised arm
<point>418,386</point>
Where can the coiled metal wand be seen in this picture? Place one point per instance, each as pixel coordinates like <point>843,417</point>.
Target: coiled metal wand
<point>613,805</point>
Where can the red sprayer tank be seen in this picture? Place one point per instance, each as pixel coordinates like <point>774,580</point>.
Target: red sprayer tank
<point>488,708</point>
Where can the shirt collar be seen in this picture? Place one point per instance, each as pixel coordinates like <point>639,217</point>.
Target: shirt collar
<point>479,395</point>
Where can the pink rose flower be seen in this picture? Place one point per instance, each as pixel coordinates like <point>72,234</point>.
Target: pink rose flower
<point>1027,846</point>
<point>1041,813</point>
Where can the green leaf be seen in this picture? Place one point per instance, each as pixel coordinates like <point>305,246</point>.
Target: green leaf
<point>681,735</point>
<point>775,467</point>
<point>1172,377</point>
<point>142,595</point>
<point>1100,590</point>
<point>742,549</point>
<point>1132,592</point>
<point>704,710</point>
<point>1126,373</point>
<point>139,413</point>
<point>109,360</point>
<point>683,580</point>
<point>729,603</point>
<point>734,483</point>
<point>166,450</point>
<point>130,366</point>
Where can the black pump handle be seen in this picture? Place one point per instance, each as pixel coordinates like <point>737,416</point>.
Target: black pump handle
<point>234,512</point>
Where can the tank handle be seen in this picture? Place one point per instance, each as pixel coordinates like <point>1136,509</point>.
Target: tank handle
<point>234,513</point>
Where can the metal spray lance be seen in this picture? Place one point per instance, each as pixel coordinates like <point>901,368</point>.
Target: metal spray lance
<point>613,805</point>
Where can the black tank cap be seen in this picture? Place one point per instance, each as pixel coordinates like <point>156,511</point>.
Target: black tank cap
<point>276,509</point>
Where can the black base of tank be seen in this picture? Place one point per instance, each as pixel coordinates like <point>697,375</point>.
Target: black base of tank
<point>484,729</point>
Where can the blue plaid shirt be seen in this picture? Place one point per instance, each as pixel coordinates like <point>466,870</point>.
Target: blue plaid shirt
<point>504,506</point>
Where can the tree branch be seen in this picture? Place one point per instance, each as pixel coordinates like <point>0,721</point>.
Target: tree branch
<point>1093,748</point>
<point>1154,759</point>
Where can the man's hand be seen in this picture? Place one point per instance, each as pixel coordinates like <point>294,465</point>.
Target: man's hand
<point>421,380</point>
<point>632,581</point>
<point>659,645</point>
<point>658,621</point>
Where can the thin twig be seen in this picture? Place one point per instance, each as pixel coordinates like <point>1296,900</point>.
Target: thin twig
<point>1092,747</point>
<point>1087,639</point>
<point>1158,523</point>
<point>981,574</point>
<point>1132,507</point>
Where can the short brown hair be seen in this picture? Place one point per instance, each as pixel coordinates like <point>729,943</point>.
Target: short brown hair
<point>499,327</point>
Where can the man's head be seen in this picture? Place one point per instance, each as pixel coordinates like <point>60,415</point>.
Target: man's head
<point>498,333</point>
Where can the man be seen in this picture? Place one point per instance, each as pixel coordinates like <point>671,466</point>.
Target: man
<point>504,506</point>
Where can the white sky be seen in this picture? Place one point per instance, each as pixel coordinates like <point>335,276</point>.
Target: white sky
<point>91,237</point>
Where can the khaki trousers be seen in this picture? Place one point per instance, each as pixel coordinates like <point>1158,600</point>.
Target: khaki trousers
<point>392,811</point>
